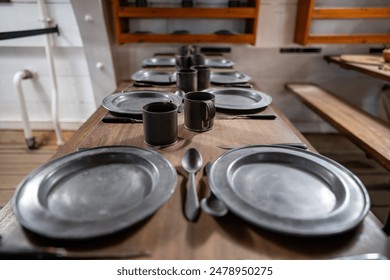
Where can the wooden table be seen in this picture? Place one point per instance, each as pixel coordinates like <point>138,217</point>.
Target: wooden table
<point>168,235</point>
<point>371,70</point>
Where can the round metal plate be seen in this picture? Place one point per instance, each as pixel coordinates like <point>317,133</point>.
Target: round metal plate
<point>154,77</point>
<point>219,63</point>
<point>231,77</point>
<point>159,61</point>
<point>239,99</point>
<point>94,192</point>
<point>290,191</point>
<point>131,102</point>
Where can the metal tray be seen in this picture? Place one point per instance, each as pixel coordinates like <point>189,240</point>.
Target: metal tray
<point>154,77</point>
<point>239,98</point>
<point>289,190</point>
<point>159,62</point>
<point>231,77</point>
<point>219,63</point>
<point>131,102</point>
<point>94,192</point>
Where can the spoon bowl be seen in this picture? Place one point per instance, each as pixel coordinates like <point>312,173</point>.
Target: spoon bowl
<point>192,162</point>
<point>212,205</point>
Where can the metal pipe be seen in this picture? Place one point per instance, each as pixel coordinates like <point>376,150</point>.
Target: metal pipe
<point>18,77</point>
<point>49,55</point>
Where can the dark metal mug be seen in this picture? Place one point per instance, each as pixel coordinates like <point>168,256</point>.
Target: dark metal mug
<point>198,59</point>
<point>187,80</point>
<point>183,61</point>
<point>199,111</point>
<point>160,123</point>
<point>204,72</point>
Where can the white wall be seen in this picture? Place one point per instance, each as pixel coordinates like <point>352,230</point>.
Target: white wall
<point>269,68</point>
<point>74,83</point>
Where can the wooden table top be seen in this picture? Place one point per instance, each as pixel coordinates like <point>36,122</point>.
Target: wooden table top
<point>168,235</point>
<point>371,70</point>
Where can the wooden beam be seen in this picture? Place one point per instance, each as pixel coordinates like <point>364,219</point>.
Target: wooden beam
<point>349,39</point>
<point>350,13</point>
<point>186,38</point>
<point>303,21</point>
<point>127,12</point>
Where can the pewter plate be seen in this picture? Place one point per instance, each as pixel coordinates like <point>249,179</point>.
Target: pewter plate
<point>289,190</point>
<point>230,77</point>
<point>159,62</point>
<point>240,98</point>
<point>219,63</point>
<point>154,77</point>
<point>131,102</point>
<point>94,192</point>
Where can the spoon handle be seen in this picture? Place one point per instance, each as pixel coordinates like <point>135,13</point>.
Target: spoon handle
<point>191,208</point>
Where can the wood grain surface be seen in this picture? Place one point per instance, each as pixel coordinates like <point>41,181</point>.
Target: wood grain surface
<point>370,70</point>
<point>168,235</point>
<point>369,133</point>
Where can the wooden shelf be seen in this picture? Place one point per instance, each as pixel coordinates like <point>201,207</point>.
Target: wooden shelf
<point>130,12</point>
<point>307,12</point>
<point>186,38</point>
<point>123,14</point>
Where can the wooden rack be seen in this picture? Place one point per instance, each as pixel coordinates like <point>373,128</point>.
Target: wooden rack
<point>122,15</point>
<point>307,12</point>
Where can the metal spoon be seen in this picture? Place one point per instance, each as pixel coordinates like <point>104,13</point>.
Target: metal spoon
<point>192,161</point>
<point>181,94</point>
<point>212,205</point>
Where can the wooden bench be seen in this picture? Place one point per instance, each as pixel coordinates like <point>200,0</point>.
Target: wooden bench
<point>369,133</point>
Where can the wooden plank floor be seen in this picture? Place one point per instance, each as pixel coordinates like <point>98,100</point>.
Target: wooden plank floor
<point>17,161</point>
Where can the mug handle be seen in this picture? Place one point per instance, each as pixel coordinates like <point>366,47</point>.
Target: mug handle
<point>209,113</point>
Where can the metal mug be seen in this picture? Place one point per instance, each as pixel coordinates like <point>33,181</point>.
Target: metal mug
<point>160,123</point>
<point>204,72</point>
<point>198,59</point>
<point>187,80</point>
<point>199,111</point>
<point>183,61</point>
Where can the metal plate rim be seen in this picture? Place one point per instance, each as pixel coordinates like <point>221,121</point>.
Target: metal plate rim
<point>214,77</point>
<point>157,61</point>
<point>219,62</point>
<point>323,227</point>
<point>264,102</point>
<point>107,102</point>
<point>57,228</point>
<point>139,77</point>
